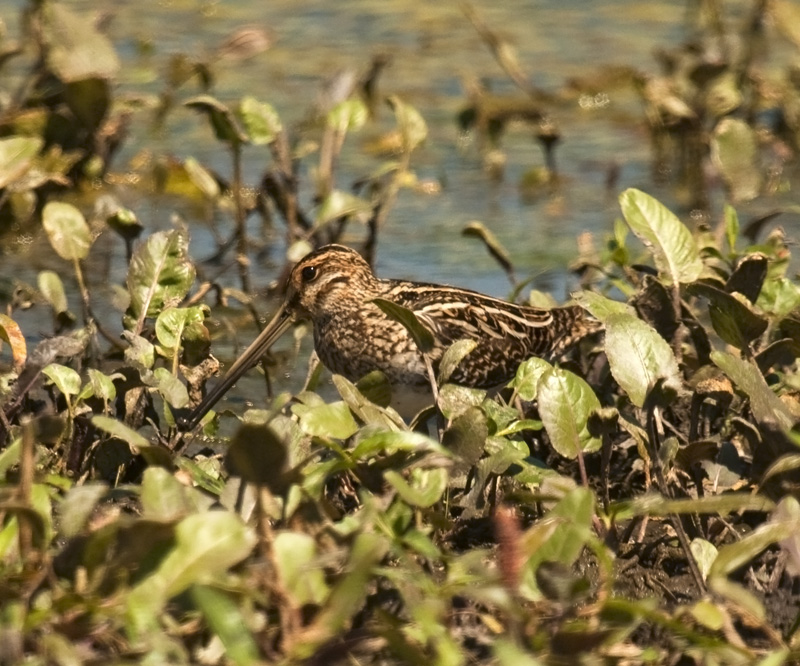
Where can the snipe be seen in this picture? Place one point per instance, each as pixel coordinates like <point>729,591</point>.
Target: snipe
<point>334,287</point>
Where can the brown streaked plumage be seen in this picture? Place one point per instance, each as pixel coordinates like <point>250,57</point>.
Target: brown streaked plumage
<point>333,287</point>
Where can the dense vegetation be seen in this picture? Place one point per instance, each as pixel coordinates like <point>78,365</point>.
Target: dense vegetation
<point>633,503</point>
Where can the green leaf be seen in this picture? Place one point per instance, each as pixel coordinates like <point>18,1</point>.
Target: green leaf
<point>77,507</point>
<point>67,230</point>
<point>160,273</point>
<point>329,421</point>
<point>674,249</point>
<point>466,436</point>
<point>734,150</point>
<point>349,115</point>
<point>102,386</point>
<point>172,322</point>
<point>261,121</point>
<point>65,379</point>
<point>565,403</point>
<point>423,488</point>
<point>298,568</point>
<point>12,334</point>
<point>704,553</point>
<point>526,381</point>
<point>422,337</point>
<point>339,204</point>
<point>638,356</point>
<point>52,289</point>
<point>76,49</point>
<point>731,315</point>
<point>766,406</point>
<point>171,388</point>
<point>731,226</point>
<point>389,442</point>
<point>206,545</point>
<point>452,358</point>
<point>202,178</point>
<point>364,409</point>
<point>221,118</point>
<point>227,622</point>
<point>411,124</point>
<point>164,498</point>
<point>121,431</point>
<point>17,154</point>
<point>601,307</point>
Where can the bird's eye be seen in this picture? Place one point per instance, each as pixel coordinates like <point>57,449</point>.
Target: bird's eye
<point>309,273</point>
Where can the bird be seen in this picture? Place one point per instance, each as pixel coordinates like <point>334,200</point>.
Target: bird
<point>336,289</point>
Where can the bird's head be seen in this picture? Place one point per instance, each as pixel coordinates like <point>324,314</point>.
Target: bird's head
<point>327,280</point>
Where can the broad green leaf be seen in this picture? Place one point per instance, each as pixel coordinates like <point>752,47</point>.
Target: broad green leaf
<point>206,545</point>
<point>779,296</point>
<point>674,249</point>
<point>77,506</point>
<point>704,553</point>
<point>349,115</point>
<point>65,379</point>
<point>423,488</point>
<point>121,431</point>
<point>411,124</point>
<point>141,352</point>
<point>52,288</point>
<point>171,388</point>
<point>16,156</point>
<point>100,386</point>
<point>67,230</point>
<point>12,334</point>
<point>164,498</point>
<point>202,178</point>
<point>221,118</point>
<point>455,399</point>
<point>638,356</point>
<point>388,442</point>
<point>509,652</point>
<point>339,204</point>
<point>452,358</point>
<point>227,622</point>
<point>172,322</point>
<point>734,150</point>
<point>160,273</point>
<point>731,315</point>
<point>365,409</point>
<point>328,421</point>
<point>298,568</point>
<point>422,337</point>
<point>76,50</point>
<point>601,307</point>
<point>766,406</point>
<point>466,436</point>
<point>261,121</point>
<point>565,403</point>
<point>526,381</point>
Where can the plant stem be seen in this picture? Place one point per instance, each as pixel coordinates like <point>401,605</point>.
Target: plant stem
<point>241,229</point>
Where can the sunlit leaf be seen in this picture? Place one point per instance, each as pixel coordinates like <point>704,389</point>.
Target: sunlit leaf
<point>160,273</point>
<point>67,230</point>
<point>565,403</point>
<point>52,288</point>
<point>101,385</point>
<point>734,150</point>
<point>298,568</point>
<point>452,358</point>
<point>120,430</point>
<point>601,307</point>
<point>339,204</point>
<point>261,121</point>
<point>125,223</point>
<point>171,388</point>
<point>221,118</point>
<point>16,156</point>
<point>526,381</point>
<point>226,620</point>
<point>77,506</point>
<point>172,322</point>
<point>787,513</point>
<point>65,379</point>
<point>202,178</point>
<point>11,333</point>
<point>332,420</point>
<point>422,337</point>
<point>674,249</point>
<point>164,497</point>
<point>207,544</point>
<point>766,406</point>
<point>411,124</point>
<point>349,115</point>
<point>738,596</point>
<point>704,553</point>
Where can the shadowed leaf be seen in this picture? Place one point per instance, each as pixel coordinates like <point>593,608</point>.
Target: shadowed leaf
<point>423,338</point>
<point>732,318</point>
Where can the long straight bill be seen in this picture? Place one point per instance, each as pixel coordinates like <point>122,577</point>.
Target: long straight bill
<point>272,331</point>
